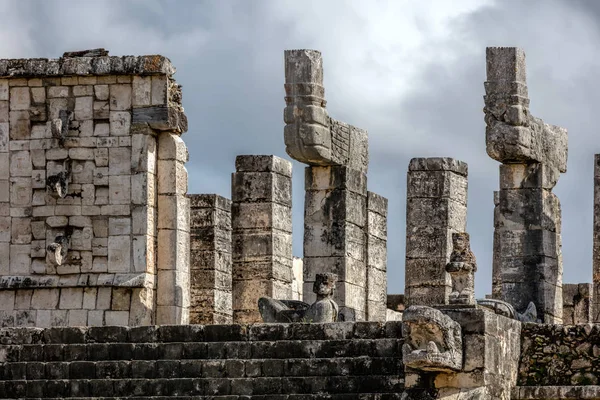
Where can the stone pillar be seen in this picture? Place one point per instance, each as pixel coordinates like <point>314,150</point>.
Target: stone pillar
<point>335,240</point>
<point>173,284</point>
<point>262,233</point>
<point>436,207</point>
<point>210,260</point>
<point>376,257</point>
<point>596,242</point>
<point>577,304</point>
<point>527,221</point>
<point>297,278</point>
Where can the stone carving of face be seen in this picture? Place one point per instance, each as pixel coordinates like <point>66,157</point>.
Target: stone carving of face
<point>460,241</point>
<point>324,284</point>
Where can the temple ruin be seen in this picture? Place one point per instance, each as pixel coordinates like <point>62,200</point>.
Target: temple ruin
<point>117,282</point>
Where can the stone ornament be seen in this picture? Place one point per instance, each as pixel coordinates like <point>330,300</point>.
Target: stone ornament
<point>325,309</point>
<point>310,135</point>
<point>57,250</point>
<point>462,267</point>
<point>432,340</point>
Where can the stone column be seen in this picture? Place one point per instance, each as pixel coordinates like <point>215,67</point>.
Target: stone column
<point>335,240</point>
<point>173,285</point>
<point>335,210</point>
<point>262,233</point>
<point>577,305</point>
<point>436,207</point>
<point>527,221</point>
<point>210,259</point>
<point>596,242</point>
<point>376,257</point>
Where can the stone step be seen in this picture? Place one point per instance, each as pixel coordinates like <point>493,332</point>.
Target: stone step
<point>349,385</point>
<point>319,396</point>
<point>283,349</point>
<point>151,369</point>
<point>202,333</point>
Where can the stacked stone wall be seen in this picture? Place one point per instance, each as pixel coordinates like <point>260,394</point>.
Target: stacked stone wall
<point>266,361</point>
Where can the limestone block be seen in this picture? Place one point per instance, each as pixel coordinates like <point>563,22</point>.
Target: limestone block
<point>143,188</point>
<point>119,160</point>
<point>119,189</point>
<point>71,298</point>
<point>119,254</point>
<point>116,318</point>
<point>119,226</point>
<point>7,300</point>
<point>144,253</point>
<point>81,154</point>
<point>174,212</point>
<point>159,89</point>
<point>20,98</point>
<point>143,220</point>
<point>55,106</point>
<point>4,136</point>
<point>20,259</point>
<point>101,129</point>
<point>120,123</point>
<point>335,177</point>
<point>121,299</point>
<point>100,264</point>
<point>20,163</point>
<point>81,239</point>
<point>38,95</point>
<point>436,213</point>
<point>100,247</point>
<point>261,215</point>
<point>438,184</point>
<point>120,97</point>
<point>40,131</point>
<point>56,154</point>
<point>21,230</point>
<point>38,179</point>
<point>173,249</point>
<point>83,90</point>
<point>101,92</point>
<point>261,187</point>
<point>58,91</point>
<point>5,229</point>
<point>171,315</point>
<point>103,300</point>
<point>101,157</point>
<point>172,147</point>
<point>4,89</point>
<point>84,108</point>
<point>77,317</point>
<point>173,288</point>
<point>4,165</point>
<point>82,171</point>
<point>95,318</point>
<point>142,306</point>
<point>23,299</point>
<point>143,153</point>
<point>141,89</point>
<point>172,177</point>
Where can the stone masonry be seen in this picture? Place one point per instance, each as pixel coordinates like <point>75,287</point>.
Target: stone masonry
<point>436,207</point>
<point>596,242</point>
<point>527,218</point>
<point>577,304</point>
<point>85,196</point>
<point>376,257</point>
<point>262,233</point>
<point>210,260</point>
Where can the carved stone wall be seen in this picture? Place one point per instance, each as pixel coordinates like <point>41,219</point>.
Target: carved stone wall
<point>82,201</point>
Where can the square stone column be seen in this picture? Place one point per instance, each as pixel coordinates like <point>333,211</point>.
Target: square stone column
<point>596,242</point>
<point>376,257</point>
<point>210,260</point>
<point>335,239</point>
<point>436,207</point>
<point>262,233</point>
<point>577,304</point>
<point>173,285</point>
<point>528,258</point>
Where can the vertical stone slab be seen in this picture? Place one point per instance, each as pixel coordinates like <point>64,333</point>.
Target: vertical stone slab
<point>527,255</point>
<point>376,257</point>
<point>173,264</point>
<point>596,242</point>
<point>577,304</point>
<point>297,278</point>
<point>210,260</point>
<point>436,207</point>
<point>335,240</point>
<point>262,233</point>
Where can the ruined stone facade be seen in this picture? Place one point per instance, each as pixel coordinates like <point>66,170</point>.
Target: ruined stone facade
<point>97,228</point>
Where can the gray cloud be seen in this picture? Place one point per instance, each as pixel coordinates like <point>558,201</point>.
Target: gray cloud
<point>410,73</point>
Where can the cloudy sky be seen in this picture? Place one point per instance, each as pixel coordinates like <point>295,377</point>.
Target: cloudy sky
<point>410,72</point>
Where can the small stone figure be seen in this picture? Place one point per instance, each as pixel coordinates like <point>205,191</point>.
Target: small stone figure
<point>462,267</point>
<point>322,310</point>
<point>58,184</point>
<point>56,252</point>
